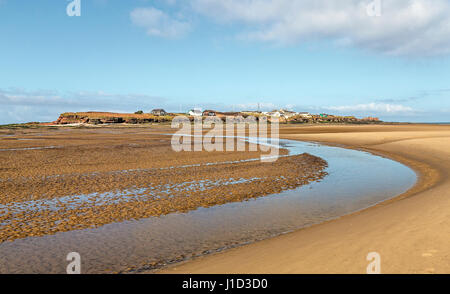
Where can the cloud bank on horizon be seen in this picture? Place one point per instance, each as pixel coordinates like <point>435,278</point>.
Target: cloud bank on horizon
<point>18,105</point>
<point>405,27</point>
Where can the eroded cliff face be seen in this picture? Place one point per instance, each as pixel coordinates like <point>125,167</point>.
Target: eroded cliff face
<point>108,118</point>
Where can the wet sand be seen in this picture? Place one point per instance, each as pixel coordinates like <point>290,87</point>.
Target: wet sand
<point>410,232</point>
<point>71,179</point>
<point>355,180</point>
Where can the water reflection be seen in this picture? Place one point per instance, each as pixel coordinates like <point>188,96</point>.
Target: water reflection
<point>355,180</point>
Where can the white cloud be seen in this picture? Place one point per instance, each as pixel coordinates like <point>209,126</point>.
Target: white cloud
<point>159,24</point>
<point>373,107</point>
<point>406,27</point>
<point>22,97</point>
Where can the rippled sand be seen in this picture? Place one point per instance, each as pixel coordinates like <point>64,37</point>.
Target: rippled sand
<point>70,179</point>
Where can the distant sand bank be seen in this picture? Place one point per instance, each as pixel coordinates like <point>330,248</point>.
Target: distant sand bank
<point>411,232</point>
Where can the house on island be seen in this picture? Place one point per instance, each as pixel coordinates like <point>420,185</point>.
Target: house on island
<point>159,112</point>
<point>274,113</point>
<point>281,113</point>
<point>195,112</point>
<point>287,113</point>
<point>209,113</point>
<point>305,114</point>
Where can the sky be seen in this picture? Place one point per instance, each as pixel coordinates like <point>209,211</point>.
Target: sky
<point>384,58</point>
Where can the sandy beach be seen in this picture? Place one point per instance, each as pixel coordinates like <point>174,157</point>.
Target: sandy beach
<point>58,181</point>
<point>411,232</point>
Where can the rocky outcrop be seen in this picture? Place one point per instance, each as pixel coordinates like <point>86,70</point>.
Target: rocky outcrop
<point>97,118</point>
<point>331,119</point>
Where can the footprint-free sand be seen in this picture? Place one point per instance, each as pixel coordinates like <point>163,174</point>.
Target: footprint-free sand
<point>411,232</point>
<point>81,178</point>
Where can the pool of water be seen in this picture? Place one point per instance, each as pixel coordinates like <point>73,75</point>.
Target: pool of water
<point>356,180</point>
<point>30,148</point>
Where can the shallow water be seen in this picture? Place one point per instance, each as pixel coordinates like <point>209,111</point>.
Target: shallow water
<point>30,148</point>
<point>356,180</point>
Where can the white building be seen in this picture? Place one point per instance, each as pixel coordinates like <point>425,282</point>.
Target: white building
<point>287,113</point>
<point>274,113</point>
<point>195,112</point>
<point>305,114</point>
<point>281,113</point>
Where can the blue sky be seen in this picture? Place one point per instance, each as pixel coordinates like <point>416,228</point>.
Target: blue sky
<point>317,56</point>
